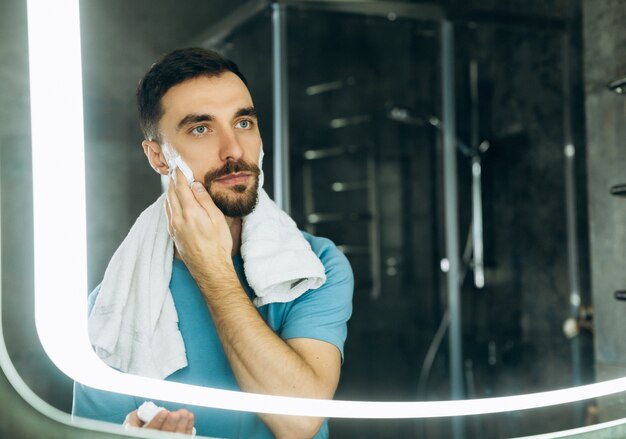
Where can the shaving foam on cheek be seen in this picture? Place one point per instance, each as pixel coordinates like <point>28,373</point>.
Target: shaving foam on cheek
<point>174,161</point>
<point>261,175</point>
<point>179,162</point>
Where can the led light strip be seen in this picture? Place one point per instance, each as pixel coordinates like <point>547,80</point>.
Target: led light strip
<point>58,177</point>
<point>60,253</point>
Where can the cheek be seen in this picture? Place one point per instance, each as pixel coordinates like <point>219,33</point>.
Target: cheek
<point>252,146</point>
<point>201,163</point>
<point>249,139</point>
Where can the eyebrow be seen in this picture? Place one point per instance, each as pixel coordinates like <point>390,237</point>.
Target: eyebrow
<point>246,111</point>
<point>195,118</point>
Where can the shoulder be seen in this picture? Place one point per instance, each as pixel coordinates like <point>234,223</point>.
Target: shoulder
<point>323,313</point>
<point>335,262</point>
<point>319,244</point>
<point>339,285</point>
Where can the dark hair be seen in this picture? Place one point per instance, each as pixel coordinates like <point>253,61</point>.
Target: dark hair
<point>174,68</point>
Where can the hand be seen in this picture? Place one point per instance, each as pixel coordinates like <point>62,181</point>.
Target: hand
<point>198,228</point>
<point>180,421</point>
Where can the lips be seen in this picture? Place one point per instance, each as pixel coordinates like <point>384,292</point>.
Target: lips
<point>234,178</point>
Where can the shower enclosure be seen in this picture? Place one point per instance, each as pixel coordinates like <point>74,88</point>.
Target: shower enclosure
<point>437,149</point>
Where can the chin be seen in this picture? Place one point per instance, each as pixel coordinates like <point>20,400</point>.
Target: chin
<point>236,204</point>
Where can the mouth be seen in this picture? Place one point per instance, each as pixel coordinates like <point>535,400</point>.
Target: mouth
<point>235,178</point>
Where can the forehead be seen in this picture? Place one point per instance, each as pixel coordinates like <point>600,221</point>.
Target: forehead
<point>217,95</point>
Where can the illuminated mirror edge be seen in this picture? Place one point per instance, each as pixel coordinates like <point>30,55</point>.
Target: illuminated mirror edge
<point>375,410</point>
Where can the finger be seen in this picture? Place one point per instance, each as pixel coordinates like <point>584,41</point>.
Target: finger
<point>173,209</point>
<point>171,422</point>
<point>132,420</point>
<point>168,214</point>
<point>205,200</point>
<point>191,422</point>
<point>172,198</point>
<point>186,419</point>
<point>182,189</point>
<point>157,422</point>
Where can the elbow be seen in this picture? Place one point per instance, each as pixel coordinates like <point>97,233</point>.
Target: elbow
<point>311,426</point>
<point>304,427</point>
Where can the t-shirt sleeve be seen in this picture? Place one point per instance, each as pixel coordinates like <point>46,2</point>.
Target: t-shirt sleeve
<point>101,405</point>
<point>322,314</point>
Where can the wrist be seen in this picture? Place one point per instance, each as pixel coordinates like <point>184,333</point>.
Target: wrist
<point>216,275</point>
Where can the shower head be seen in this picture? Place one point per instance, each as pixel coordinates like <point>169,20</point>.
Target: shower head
<point>326,87</point>
<point>403,115</point>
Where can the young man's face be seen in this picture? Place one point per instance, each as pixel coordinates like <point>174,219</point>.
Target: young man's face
<point>212,124</point>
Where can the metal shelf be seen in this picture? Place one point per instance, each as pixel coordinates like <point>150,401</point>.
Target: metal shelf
<point>318,218</point>
<point>354,250</point>
<point>347,186</point>
<point>336,151</point>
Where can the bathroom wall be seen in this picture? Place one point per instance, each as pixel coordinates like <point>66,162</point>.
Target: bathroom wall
<point>512,328</point>
<point>16,197</point>
<point>605,61</point>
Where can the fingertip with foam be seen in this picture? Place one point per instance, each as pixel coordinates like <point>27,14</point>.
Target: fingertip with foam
<point>197,187</point>
<point>185,169</point>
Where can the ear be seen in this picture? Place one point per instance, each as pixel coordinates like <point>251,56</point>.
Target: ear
<point>152,150</point>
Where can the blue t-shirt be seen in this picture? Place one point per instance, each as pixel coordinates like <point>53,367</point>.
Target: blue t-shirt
<point>320,314</point>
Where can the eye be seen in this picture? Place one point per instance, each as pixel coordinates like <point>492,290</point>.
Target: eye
<point>244,124</point>
<point>199,130</point>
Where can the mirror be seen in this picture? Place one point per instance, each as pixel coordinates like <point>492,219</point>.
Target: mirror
<point>392,326</point>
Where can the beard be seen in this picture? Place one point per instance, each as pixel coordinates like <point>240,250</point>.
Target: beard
<point>235,201</point>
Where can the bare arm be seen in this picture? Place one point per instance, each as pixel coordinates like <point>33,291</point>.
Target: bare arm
<point>261,361</point>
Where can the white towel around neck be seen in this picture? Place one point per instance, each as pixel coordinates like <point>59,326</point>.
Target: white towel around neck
<point>133,325</point>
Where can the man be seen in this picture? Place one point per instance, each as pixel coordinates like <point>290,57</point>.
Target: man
<point>197,103</point>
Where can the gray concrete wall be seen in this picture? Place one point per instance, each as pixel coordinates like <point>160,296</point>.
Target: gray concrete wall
<point>605,60</point>
<point>17,223</point>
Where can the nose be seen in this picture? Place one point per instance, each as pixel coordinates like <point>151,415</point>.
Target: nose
<point>230,148</point>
